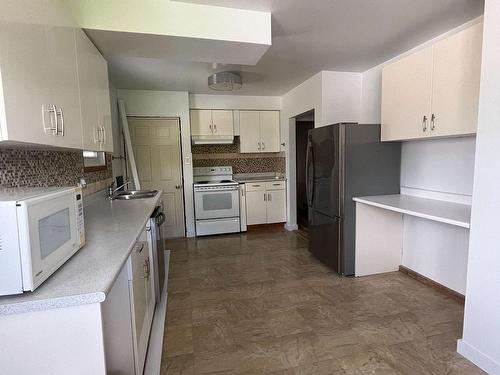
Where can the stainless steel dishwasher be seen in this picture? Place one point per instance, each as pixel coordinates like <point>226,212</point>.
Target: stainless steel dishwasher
<point>157,245</point>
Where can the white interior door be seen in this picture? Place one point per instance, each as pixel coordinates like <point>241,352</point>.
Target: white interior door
<point>157,151</point>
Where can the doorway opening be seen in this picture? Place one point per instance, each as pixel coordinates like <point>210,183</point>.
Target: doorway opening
<point>303,123</point>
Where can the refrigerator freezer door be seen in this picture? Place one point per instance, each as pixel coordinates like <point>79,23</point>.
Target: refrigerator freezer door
<point>325,238</point>
<point>324,183</point>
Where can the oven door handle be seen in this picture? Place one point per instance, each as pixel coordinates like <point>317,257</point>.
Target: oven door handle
<point>215,190</point>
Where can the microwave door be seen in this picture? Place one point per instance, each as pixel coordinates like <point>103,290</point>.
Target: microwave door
<point>53,235</point>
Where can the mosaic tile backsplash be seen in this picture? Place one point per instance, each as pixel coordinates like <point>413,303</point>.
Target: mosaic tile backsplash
<point>214,155</point>
<point>39,168</point>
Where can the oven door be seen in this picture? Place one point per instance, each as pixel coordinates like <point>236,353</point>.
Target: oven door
<point>51,236</point>
<point>215,204</point>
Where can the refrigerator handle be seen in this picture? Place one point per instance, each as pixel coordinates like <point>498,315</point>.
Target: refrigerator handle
<point>309,178</point>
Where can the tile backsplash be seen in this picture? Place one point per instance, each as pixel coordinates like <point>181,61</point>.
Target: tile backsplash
<point>228,154</point>
<point>21,167</point>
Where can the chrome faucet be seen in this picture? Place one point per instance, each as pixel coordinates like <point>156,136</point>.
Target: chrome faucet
<point>111,191</point>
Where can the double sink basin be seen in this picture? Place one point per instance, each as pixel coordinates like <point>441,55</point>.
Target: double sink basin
<point>134,194</point>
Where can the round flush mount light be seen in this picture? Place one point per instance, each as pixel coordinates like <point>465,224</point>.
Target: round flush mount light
<point>225,81</point>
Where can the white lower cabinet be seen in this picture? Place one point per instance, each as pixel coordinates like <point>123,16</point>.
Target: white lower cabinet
<point>142,299</point>
<point>265,202</point>
<point>128,311</point>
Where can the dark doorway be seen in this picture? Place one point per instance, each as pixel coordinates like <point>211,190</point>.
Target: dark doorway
<point>303,123</point>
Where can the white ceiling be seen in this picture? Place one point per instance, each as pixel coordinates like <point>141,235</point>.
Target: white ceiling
<point>308,36</point>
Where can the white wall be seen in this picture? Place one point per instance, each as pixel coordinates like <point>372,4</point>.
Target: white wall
<point>341,97</point>
<point>301,99</point>
<point>168,104</point>
<point>247,102</point>
<point>481,335</point>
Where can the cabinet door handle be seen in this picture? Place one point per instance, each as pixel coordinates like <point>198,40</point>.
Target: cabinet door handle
<point>97,130</point>
<point>60,113</point>
<point>103,131</point>
<point>210,127</point>
<point>269,197</point>
<point>424,123</point>
<point>52,111</point>
<point>258,148</point>
<point>263,146</point>
<point>433,121</point>
<point>265,197</point>
<point>215,128</point>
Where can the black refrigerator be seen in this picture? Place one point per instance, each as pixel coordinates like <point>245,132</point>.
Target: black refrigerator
<point>344,161</point>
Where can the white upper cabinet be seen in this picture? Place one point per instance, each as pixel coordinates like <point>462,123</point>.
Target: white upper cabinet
<point>87,57</point>
<point>208,122</point>
<point>222,122</point>
<point>54,82</point>
<point>434,92</point>
<point>249,131</point>
<point>259,131</point>
<point>201,122</point>
<point>94,96</point>
<point>406,96</point>
<point>270,131</point>
<point>40,101</point>
<point>455,84</point>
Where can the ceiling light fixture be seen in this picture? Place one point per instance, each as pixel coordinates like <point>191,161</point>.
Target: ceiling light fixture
<point>225,81</point>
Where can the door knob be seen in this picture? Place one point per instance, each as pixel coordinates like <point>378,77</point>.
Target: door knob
<point>178,186</point>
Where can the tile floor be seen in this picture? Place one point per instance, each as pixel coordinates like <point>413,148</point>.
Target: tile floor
<point>258,303</point>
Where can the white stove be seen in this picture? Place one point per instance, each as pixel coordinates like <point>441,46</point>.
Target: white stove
<point>216,200</point>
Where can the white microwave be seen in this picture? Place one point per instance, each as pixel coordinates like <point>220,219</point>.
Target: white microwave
<point>40,229</point>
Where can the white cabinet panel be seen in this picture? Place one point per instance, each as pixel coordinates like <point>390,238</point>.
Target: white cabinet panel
<point>256,207</point>
<point>270,131</point>
<point>434,92</point>
<point>142,297</point>
<point>249,131</point>
<point>201,122</point>
<point>60,41</point>
<point>265,202</point>
<point>222,122</point>
<point>259,131</point>
<point>104,105</point>
<point>276,206</point>
<point>94,96</point>
<point>406,97</point>
<point>86,60</point>
<point>38,71</point>
<point>455,84</point>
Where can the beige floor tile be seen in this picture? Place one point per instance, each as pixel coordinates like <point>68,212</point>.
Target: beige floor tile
<point>259,303</point>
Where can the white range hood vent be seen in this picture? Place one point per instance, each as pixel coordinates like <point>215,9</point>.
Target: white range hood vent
<point>211,139</point>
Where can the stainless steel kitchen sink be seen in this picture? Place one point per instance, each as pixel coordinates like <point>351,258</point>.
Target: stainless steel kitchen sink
<point>135,194</point>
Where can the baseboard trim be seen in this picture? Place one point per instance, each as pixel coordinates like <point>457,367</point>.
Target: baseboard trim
<point>265,227</point>
<point>433,284</point>
<point>477,357</point>
<point>291,227</point>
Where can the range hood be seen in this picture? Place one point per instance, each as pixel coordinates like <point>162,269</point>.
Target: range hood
<point>211,139</point>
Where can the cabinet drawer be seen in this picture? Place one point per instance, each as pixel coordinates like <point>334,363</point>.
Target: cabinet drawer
<point>255,186</point>
<point>275,185</point>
